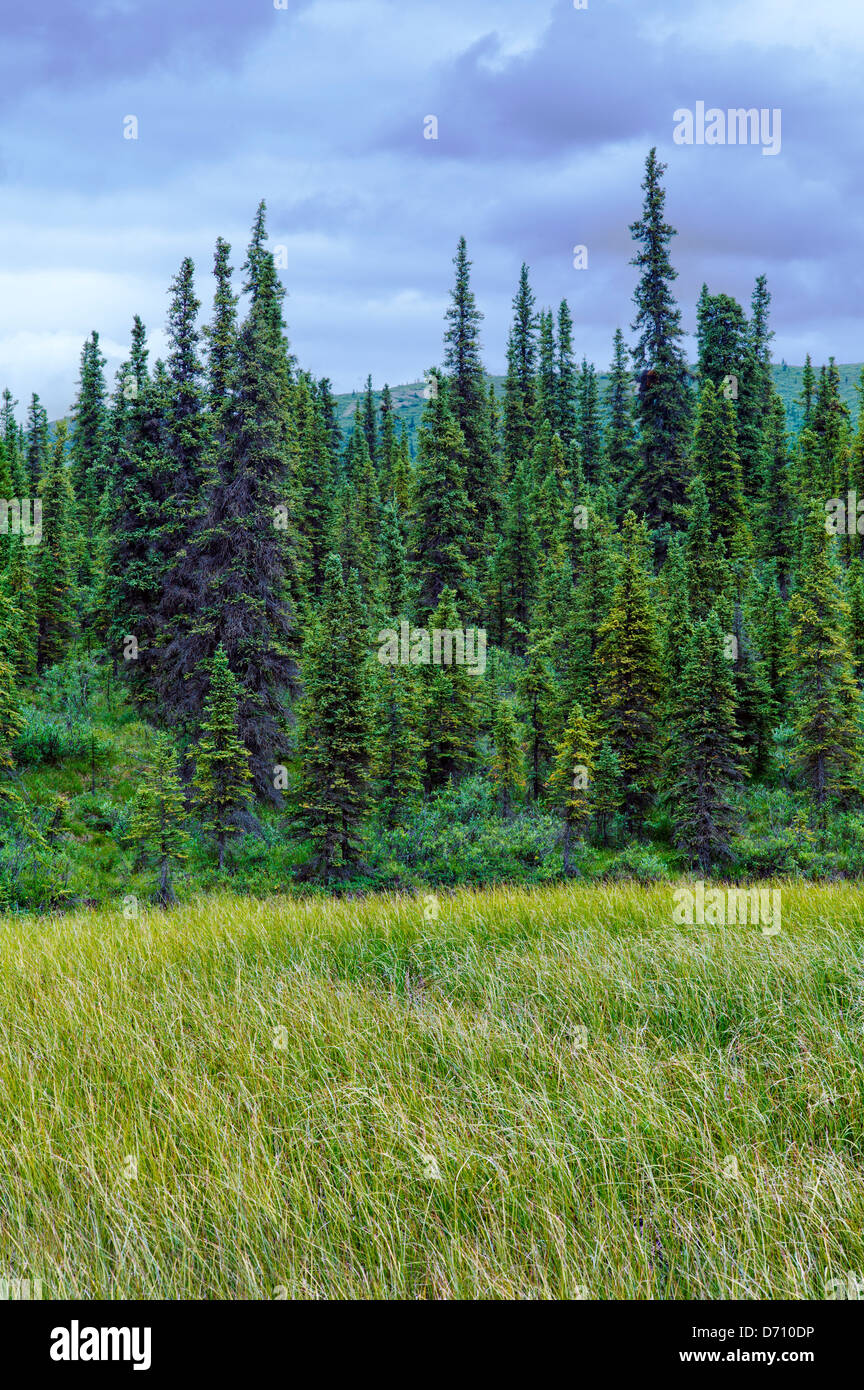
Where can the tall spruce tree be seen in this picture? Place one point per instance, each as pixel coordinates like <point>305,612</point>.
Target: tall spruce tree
<point>663,401</point>
<point>519,384</point>
<point>248,541</point>
<point>443,513</point>
<point>467,384</point>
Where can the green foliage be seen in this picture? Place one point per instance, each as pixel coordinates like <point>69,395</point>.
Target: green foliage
<point>158,819</point>
<point>222,775</point>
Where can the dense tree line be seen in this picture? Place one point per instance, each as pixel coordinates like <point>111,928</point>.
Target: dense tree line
<point>663,602</point>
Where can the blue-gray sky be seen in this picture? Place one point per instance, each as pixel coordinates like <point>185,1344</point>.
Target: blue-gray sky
<point>545,113</point>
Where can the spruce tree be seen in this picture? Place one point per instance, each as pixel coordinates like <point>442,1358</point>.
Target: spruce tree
<point>570,784</point>
<point>620,439</point>
<point>247,552</point>
<point>55,579</point>
<point>182,482</point>
<point>87,452</point>
<point>547,395</point>
<point>222,775</point>
<point>518,558</point>
<point>565,379</point>
<point>37,443</point>
<point>443,514</point>
<point>607,789</point>
<point>590,434</point>
<point>397,742</point>
<point>467,384</point>
<point>707,762</point>
<point>158,817</point>
<point>450,706</point>
<point>715,459</point>
<point>508,759</point>
<point>335,733</point>
<point>663,402</point>
<point>826,697</point>
<point>629,675</point>
<point>519,385</point>
<point>541,698</point>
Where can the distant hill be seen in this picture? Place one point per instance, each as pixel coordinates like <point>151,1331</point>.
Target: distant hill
<point>408,399</point>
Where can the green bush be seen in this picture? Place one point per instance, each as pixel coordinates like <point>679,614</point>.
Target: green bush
<point>46,738</point>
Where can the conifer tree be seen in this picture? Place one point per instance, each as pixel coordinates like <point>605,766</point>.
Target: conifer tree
<point>397,743</point>
<point>663,403</point>
<point>467,384</point>
<point>777,503</point>
<point>620,439</point>
<point>12,441</point>
<point>808,387</point>
<point>541,700</point>
<point>826,696</point>
<point>629,674</point>
<point>565,379</point>
<point>87,451</point>
<point>37,442</point>
<point>131,518</point>
<point>570,784</point>
<point>707,763</point>
<point>715,458</point>
<point>443,514</point>
<point>394,564</point>
<point>222,775</point>
<point>388,444</point>
<point>248,553</point>
<point>17,600</point>
<point>508,759</point>
<point>369,425</point>
<point>546,392</point>
<point>769,621</point>
<point>608,796</point>
<point>313,491</point>
<point>705,558</point>
<point>182,480</point>
<point>450,706</point>
<point>590,433</point>
<point>55,580</point>
<point>335,732</point>
<point>158,817</point>
<point>11,721</point>
<point>855,600</point>
<point>519,385</point>
<point>518,559</point>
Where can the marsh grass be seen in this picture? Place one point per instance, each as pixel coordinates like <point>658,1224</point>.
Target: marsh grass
<point>544,1093</point>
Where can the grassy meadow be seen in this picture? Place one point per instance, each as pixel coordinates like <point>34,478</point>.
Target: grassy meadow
<point>515,1093</point>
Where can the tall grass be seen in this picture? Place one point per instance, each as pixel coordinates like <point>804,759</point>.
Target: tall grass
<point>544,1093</point>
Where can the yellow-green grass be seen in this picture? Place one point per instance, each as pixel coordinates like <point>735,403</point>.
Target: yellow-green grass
<point>344,1099</point>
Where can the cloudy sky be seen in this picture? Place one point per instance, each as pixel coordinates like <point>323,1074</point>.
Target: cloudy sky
<point>545,113</point>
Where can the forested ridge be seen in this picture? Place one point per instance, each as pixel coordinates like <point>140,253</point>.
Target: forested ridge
<point>603,628</point>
